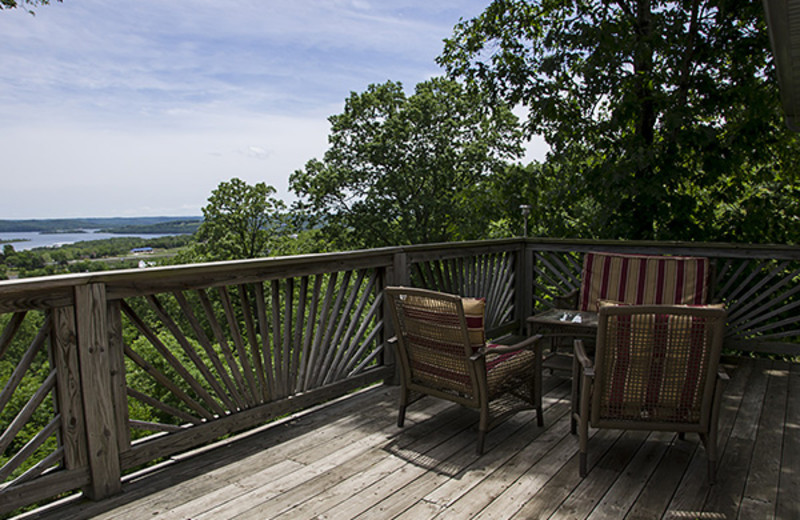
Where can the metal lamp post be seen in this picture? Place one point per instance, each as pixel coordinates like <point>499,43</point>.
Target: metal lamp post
<point>526,210</point>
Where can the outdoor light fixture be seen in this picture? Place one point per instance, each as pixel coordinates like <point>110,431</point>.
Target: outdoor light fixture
<point>526,210</point>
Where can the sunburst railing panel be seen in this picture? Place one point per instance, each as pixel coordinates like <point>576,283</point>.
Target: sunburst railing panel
<point>210,353</point>
<point>490,275</point>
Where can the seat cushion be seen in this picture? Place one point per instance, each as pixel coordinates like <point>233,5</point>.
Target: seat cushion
<point>506,370</point>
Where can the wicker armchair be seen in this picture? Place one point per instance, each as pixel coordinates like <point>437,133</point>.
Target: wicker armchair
<point>442,352</point>
<point>654,368</point>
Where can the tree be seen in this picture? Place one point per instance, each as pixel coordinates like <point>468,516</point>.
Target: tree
<point>559,207</point>
<point>240,221</point>
<point>11,4</point>
<point>667,111</point>
<point>404,169</point>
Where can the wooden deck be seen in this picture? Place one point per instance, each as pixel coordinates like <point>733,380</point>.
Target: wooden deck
<point>349,460</point>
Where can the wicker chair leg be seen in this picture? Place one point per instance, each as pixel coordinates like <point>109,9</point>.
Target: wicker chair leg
<point>401,414</point>
<point>483,426</point>
<point>539,416</point>
<point>575,395</point>
<point>583,431</point>
<point>481,439</point>
<point>710,443</point>
<point>582,470</point>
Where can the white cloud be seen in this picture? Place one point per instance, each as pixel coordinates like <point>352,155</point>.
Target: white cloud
<point>257,152</point>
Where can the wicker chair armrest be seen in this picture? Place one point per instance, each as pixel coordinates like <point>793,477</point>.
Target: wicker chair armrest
<point>583,359</point>
<point>527,343</point>
<point>566,301</point>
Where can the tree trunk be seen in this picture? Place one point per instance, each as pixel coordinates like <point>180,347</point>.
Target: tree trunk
<point>645,206</point>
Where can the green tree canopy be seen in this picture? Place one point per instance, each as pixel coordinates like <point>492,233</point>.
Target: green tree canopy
<point>241,221</point>
<point>665,112</point>
<point>405,169</point>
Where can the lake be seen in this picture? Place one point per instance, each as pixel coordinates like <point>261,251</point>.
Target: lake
<point>35,239</point>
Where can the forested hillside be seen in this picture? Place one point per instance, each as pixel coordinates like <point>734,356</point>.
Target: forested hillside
<point>111,225</point>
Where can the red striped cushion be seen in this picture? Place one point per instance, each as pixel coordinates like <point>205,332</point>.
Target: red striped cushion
<point>656,365</point>
<point>643,280</point>
<point>474,309</point>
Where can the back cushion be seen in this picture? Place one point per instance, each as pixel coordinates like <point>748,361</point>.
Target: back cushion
<point>643,280</point>
<point>426,318</point>
<point>474,309</point>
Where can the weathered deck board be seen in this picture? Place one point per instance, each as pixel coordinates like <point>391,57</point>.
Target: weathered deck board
<point>349,460</point>
<point>788,504</point>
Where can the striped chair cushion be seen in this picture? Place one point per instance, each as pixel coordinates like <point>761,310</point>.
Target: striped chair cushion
<point>435,341</point>
<point>500,368</point>
<point>654,366</point>
<point>643,280</point>
<point>507,369</point>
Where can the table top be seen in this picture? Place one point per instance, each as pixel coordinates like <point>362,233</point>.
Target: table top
<point>565,317</point>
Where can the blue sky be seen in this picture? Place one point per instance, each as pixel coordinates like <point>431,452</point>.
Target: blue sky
<point>142,108</point>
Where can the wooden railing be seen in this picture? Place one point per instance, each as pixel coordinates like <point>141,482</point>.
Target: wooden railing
<point>105,373</point>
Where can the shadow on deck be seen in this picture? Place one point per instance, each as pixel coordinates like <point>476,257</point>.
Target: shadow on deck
<point>348,459</point>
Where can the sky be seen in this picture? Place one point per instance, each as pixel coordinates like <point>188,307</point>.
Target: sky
<point>112,109</point>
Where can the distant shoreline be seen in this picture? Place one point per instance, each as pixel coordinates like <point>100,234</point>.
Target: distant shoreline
<point>63,231</point>
<point>23,241</point>
<point>123,225</point>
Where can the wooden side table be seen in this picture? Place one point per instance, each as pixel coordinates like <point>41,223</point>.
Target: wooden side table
<point>558,325</point>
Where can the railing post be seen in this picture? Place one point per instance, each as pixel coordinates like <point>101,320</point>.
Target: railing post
<point>98,406</point>
<point>119,387</point>
<point>524,277</point>
<point>397,274</point>
<point>64,353</point>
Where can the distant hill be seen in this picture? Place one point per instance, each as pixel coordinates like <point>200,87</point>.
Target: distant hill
<point>110,225</point>
<point>176,227</point>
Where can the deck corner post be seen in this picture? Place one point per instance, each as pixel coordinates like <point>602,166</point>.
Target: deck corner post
<point>524,266</point>
<point>396,274</point>
<point>95,372</point>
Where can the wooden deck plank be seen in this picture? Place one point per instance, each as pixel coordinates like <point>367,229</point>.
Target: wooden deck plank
<point>371,495</point>
<point>690,497</point>
<point>725,495</point>
<point>500,485</point>
<point>497,482</point>
<point>194,476</point>
<point>431,434</point>
<point>788,505</point>
<point>388,459</point>
<point>547,484</point>
<point>265,499</point>
<point>626,488</point>
<point>432,492</point>
<point>657,493</point>
<point>761,489</point>
<point>514,452</point>
<point>599,480</point>
<point>404,498</point>
<point>349,460</point>
<point>236,465</point>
